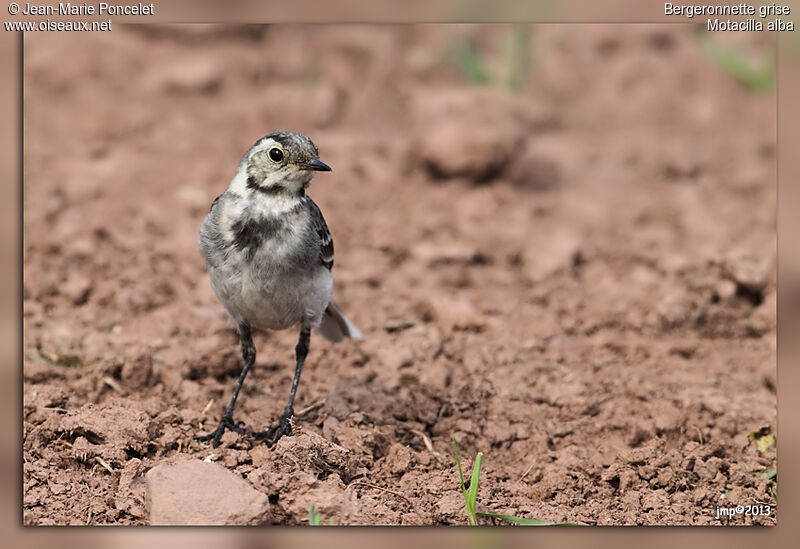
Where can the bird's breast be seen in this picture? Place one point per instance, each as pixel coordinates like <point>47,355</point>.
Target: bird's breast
<point>270,242</point>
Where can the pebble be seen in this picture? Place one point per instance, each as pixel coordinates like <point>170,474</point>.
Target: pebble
<point>198,493</point>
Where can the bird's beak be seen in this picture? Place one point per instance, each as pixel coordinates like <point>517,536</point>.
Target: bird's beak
<point>314,164</point>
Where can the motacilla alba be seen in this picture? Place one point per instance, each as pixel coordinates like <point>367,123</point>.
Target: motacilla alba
<point>269,256</point>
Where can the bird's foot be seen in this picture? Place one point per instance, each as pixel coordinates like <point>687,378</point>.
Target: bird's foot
<point>225,423</point>
<point>283,427</point>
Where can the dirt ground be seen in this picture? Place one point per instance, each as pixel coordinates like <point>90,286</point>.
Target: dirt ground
<point>576,279</point>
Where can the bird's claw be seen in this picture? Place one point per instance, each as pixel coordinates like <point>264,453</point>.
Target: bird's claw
<point>225,423</point>
<point>283,427</point>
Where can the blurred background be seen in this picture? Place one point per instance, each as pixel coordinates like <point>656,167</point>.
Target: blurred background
<point>558,240</point>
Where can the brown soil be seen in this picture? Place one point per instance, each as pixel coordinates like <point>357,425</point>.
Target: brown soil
<point>576,280</point>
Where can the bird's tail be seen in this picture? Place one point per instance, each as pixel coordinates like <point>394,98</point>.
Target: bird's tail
<point>335,326</point>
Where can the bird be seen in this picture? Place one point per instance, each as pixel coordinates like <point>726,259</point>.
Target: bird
<point>269,255</point>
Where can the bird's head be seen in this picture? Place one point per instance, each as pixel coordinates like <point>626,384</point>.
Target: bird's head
<point>282,162</point>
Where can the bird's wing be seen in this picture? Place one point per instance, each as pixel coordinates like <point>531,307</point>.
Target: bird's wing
<point>211,241</point>
<point>325,238</point>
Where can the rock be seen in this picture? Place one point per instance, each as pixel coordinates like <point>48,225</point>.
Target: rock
<point>77,288</point>
<point>674,310</point>
<point>83,450</point>
<point>311,452</point>
<point>448,144</point>
<point>764,316</point>
<point>425,311</point>
<point>627,479</point>
<point>137,370</point>
<point>197,492</point>
<point>453,151</point>
<point>130,495</point>
<point>450,509</point>
<point>750,272</point>
<point>532,171</point>
<point>400,459</point>
<point>725,289</point>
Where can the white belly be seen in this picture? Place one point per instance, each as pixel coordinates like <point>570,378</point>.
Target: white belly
<point>274,300</point>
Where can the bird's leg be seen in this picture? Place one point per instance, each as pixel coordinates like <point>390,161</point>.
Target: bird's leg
<point>283,426</point>
<point>249,356</point>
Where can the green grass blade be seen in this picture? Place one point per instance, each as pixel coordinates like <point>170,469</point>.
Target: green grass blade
<point>470,510</point>
<point>460,472</point>
<point>529,522</point>
<point>761,78</point>
<point>313,516</point>
<point>518,48</point>
<point>468,62</point>
<point>474,482</point>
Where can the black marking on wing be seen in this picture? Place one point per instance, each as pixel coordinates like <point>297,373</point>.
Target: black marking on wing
<point>325,238</point>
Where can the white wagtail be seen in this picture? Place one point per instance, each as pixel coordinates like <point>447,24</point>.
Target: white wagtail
<point>269,255</point>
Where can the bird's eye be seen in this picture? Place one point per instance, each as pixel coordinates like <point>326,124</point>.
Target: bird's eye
<point>276,154</point>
